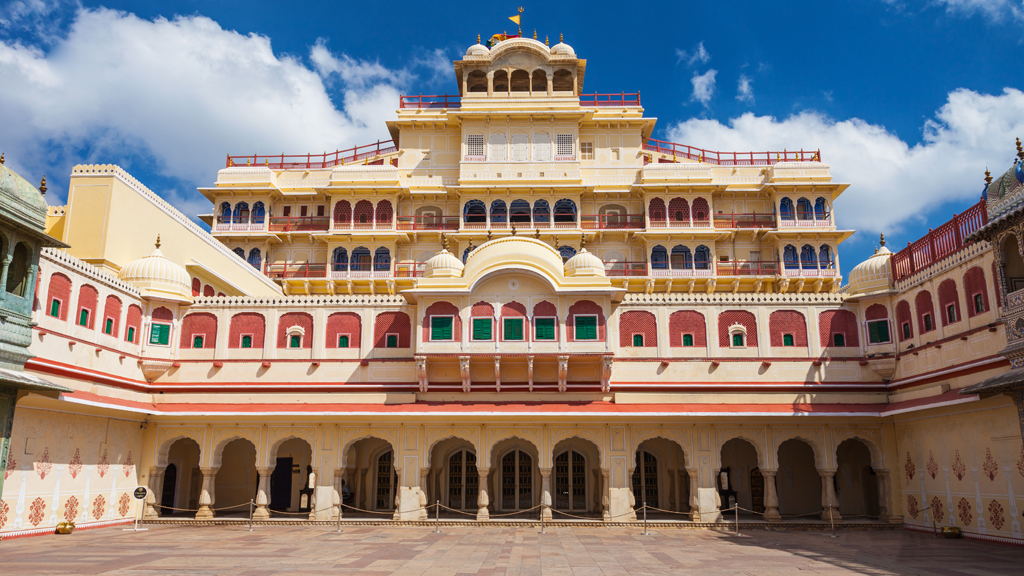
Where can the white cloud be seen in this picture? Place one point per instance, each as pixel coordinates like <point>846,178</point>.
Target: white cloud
<point>438,63</point>
<point>699,55</point>
<point>745,89</point>
<point>891,182</point>
<point>995,9</point>
<point>179,94</point>
<point>704,86</point>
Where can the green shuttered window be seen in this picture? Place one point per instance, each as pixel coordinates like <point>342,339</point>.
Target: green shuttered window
<point>545,328</point>
<point>586,328</point>
<point>878,331</point>
<point>513,328</point>
<point>160,334</point>
<point>482,329</point>
<point>440,327</point>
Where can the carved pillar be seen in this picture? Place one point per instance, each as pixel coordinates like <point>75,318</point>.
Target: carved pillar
<point>490,85</point>
<point>398,495</point>
<point>605,495</point>
<point>545,492</point>
<point>425,483</point>
<point>312,495</point>
<point>563,373</point>
<point>464,372</point>
<point>421,372</point>
<point>882,477</point>
<point>694,496</point>
<point>606,373</point>
<point>671,489</point>
<point>482,500</point>
<point>262,512</point>
<point>3,275</point>
<point>529,371</point>
<point>206,496</point>
<point>828,496</point>
<point>497,373</point>
<point>339,477</point>
<point>156,477</point>
<point>771,497</point>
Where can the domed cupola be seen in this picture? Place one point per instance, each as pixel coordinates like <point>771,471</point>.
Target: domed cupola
<point>19,197</point>
<point>444,264</point>
<point>562,50</point>
<point>477,50</point>
<point>158,278</point>
<point>872,275</point>
<point>584,263</point>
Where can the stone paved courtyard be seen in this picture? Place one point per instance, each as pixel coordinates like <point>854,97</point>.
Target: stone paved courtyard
<point>295,550</point>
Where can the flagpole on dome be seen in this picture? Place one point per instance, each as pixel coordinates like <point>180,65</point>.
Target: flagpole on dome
<point>518,19</point>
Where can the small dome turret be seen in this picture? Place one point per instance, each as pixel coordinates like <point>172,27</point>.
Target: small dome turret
<point>584,263</point>
<point>158,278</point>
<point>562,49</point>
<point>873,274</point>
<point>444,264</point>
<point>477,50</point>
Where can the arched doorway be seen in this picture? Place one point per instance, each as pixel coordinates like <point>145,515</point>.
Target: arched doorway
<point>462,481</point>
<point>385,481</point>
<point>645,478</point>
<point>182,480</point>
<point>570,482</point>
<point>516,480</point>
<point>237,480</point>
<point>737,480</point>
<point>359,479</point>
<point>856,480</point>
<point>798,482</point>
<point>288,481</point>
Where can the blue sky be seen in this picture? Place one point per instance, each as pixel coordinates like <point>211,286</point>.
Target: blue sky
<point>909,101</point>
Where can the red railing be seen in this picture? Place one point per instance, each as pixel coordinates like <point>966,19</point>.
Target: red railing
<point>731,158</point>
<point>316,161</point>
<point>620,99</point>
<point>428,222</point>
<point>291,270</point>
<point>430,101</point>
<point>744,220</point>
<point>612,221</point>
<point>939,242</point>
<point>625,268</point>
<point>409,269</point>
<point>299,223</point>
<point>748,268</point>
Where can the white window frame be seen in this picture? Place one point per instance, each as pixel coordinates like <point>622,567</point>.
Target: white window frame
<point>132,340</point>
<point>833,341</point>
<point>522,147</point>
<point>192,341</point>
<point>791,335</point>
<point>78,319</point>
<point>586,150</point>
<point>241,338</point>
<point>493,147</point>
<point>472,320</point>
<point>430,327</point>
<point>60,306</point>
<point>398,339</point>
<point>738,329</point>
<point>170,333</point>
<point>295,331</point>
<point>470,156</point>
<point>927,319</point>
<point>522,321</point>
<point>597,328</point>
<point>682,340</point>
<point>974,298</point>
<point>632,339</point>
<point>906,330</point>
<point>565,147</point>
<point>956,317</point>
<point>867,331</point>
<point>113,321</point>
<point>541,139</point>
<point>534,322</point>
<point>339,335</point>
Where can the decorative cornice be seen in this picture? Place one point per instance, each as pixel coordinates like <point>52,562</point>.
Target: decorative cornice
<point>738,299</point>
<point>958,258</point>
<point>68,261</point>
<point>297,301</point>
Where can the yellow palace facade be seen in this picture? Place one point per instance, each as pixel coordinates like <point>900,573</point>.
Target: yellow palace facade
<point>521,305</point>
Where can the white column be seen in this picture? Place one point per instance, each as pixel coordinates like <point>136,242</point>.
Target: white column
<point>207,496</point>
<point>771,497</point>
<point>262,512</point>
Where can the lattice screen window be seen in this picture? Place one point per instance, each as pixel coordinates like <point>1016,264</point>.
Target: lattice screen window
<point>475,145</point>
<point>564,145</point>
<point>586,151</point>
<point>520,148</point>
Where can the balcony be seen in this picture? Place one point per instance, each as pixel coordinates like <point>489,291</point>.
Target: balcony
<point>616,100</point>
<point>729,158</point>
<point>288,270</point>
<point>295,270</point>
<point>625,269</point>
<point>824,269</point>
<point>751,220</point>
<point>748,268</point>
<point>428,223</point>
<point>350,225</point>
<point>697,270</point>
<point>479,223</point>
<point>430,101</point>
<point>939,243</point>
<point>231,225</point>
<point>805,221</point>
<point>299,223</point>
<point>612,221</point>
<point>693,223</point>
<point>316,161</point>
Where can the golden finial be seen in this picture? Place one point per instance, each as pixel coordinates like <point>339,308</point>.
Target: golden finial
<point>881,239</point>
<point>513,228</point>
<point>477,38</point>
<point>536,233</point>
<point>546,43</point>
<point>556,242</point>
<point>1020,150</point>
<point>560,37</point>
<point>267,162</point>
<point>42,186</point>
<point>247,163</point>
<point>470,247</point>
<point>1,157</point>
<point>988,176</point>
<point>157,241</point>
<point>534,33</point>
<point>583,242</point>
<point>490,234</point>
<point>230,162</point>
<point>444,242</point>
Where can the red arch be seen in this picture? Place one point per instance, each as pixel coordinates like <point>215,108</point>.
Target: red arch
<point>393,323</point>
<point>782,322</point>
<point>88,297</point>
<point>585,307</point>
<point>923,305</point>
<point>974,283</point>
<point>199,323</point>
<point>948,295</point>
<point>741,317</point>
<point>59,289</point>
<point>838,322</point>
<point>442,309</point>
<point>903,317</point>
<point>247,323</point>
<point>300,319</point>
<point>112,310</point>
<point>344,323</point>
<point>133,320</point>
<point>637,322</point>
<point>687,322</point>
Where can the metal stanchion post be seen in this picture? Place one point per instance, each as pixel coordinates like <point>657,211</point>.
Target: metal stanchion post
<point>339,518</point>
<point>832,521</point>
<point>736,508</point>
<point>250,515</point>
<point>542,531</point>
<point>437,517</point>
<point>645,520</point>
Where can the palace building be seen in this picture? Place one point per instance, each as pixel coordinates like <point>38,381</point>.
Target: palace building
<point>522,304</point>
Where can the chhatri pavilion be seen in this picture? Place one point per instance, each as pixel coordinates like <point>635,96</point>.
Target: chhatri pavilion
<point>521,305</point>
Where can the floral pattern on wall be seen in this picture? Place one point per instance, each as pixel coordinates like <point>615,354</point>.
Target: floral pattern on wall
<point>995,515</point>
<point>103,465</point>
<point>38,509</point>
<point>964,508</point>
<point>909,467</point>
<point>44,465</point>
<point>128,465</point>
<point>1020,463</point>
<point>99,506</point>
<point>990,465</point>
<point>4,510</point>
<point>11,463</point>
<point>958,466</point>
<point>71,509</point>
<point>912,508</point>
<point>932,466</point>
<point>75,466</point>
<point>122,505</point>
<point>938,512</point>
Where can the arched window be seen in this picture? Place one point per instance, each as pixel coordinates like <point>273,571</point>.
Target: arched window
<point>519,211</point>
<point>197,287</point>
<point>808,260</point>
<point>541,212</point>
<point>360,259</point>
<point>570,475</point>
<point>382,260</point>
<point>566,252</point>
<point>656,209</point>
<point>463,480</point>
<point>702,258</point>
<point>225,212</point>
<point>476,81</point>
<point>240,252</point>
<point>520,81</point>
<point>384,212</point>
<point>645,479</point>
<point>701,211</point>
<point>499,212</point>
<point>925,311</point>
<point>520,147</point>
<point>679,211</point>
<point>905,329</point>
<point>540,81</point>
<point>659,258</point>
<point>825,257</point>
<point>789,259</point>
<point>343,212</point>
<point>681,258</point>
<point>565,210</point>
<point>17,272</point>
<point>786,209</point>
<point>562,81</point>
<point>241,215</point>
<point>255,258</point>
<point>804,210</point>
<point>820,209</point>
<point>259,213</point>
<point>501,81</point>
<point>339,261</point>
<point>475,211</point>
<point>363,214</point>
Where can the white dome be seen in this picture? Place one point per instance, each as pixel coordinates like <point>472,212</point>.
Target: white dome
<point>477,51</point>
<point>444,264</point>
<point>158,278</point>
<point>873,274</point>
<point>563,49</point>
<point>584,264</point>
